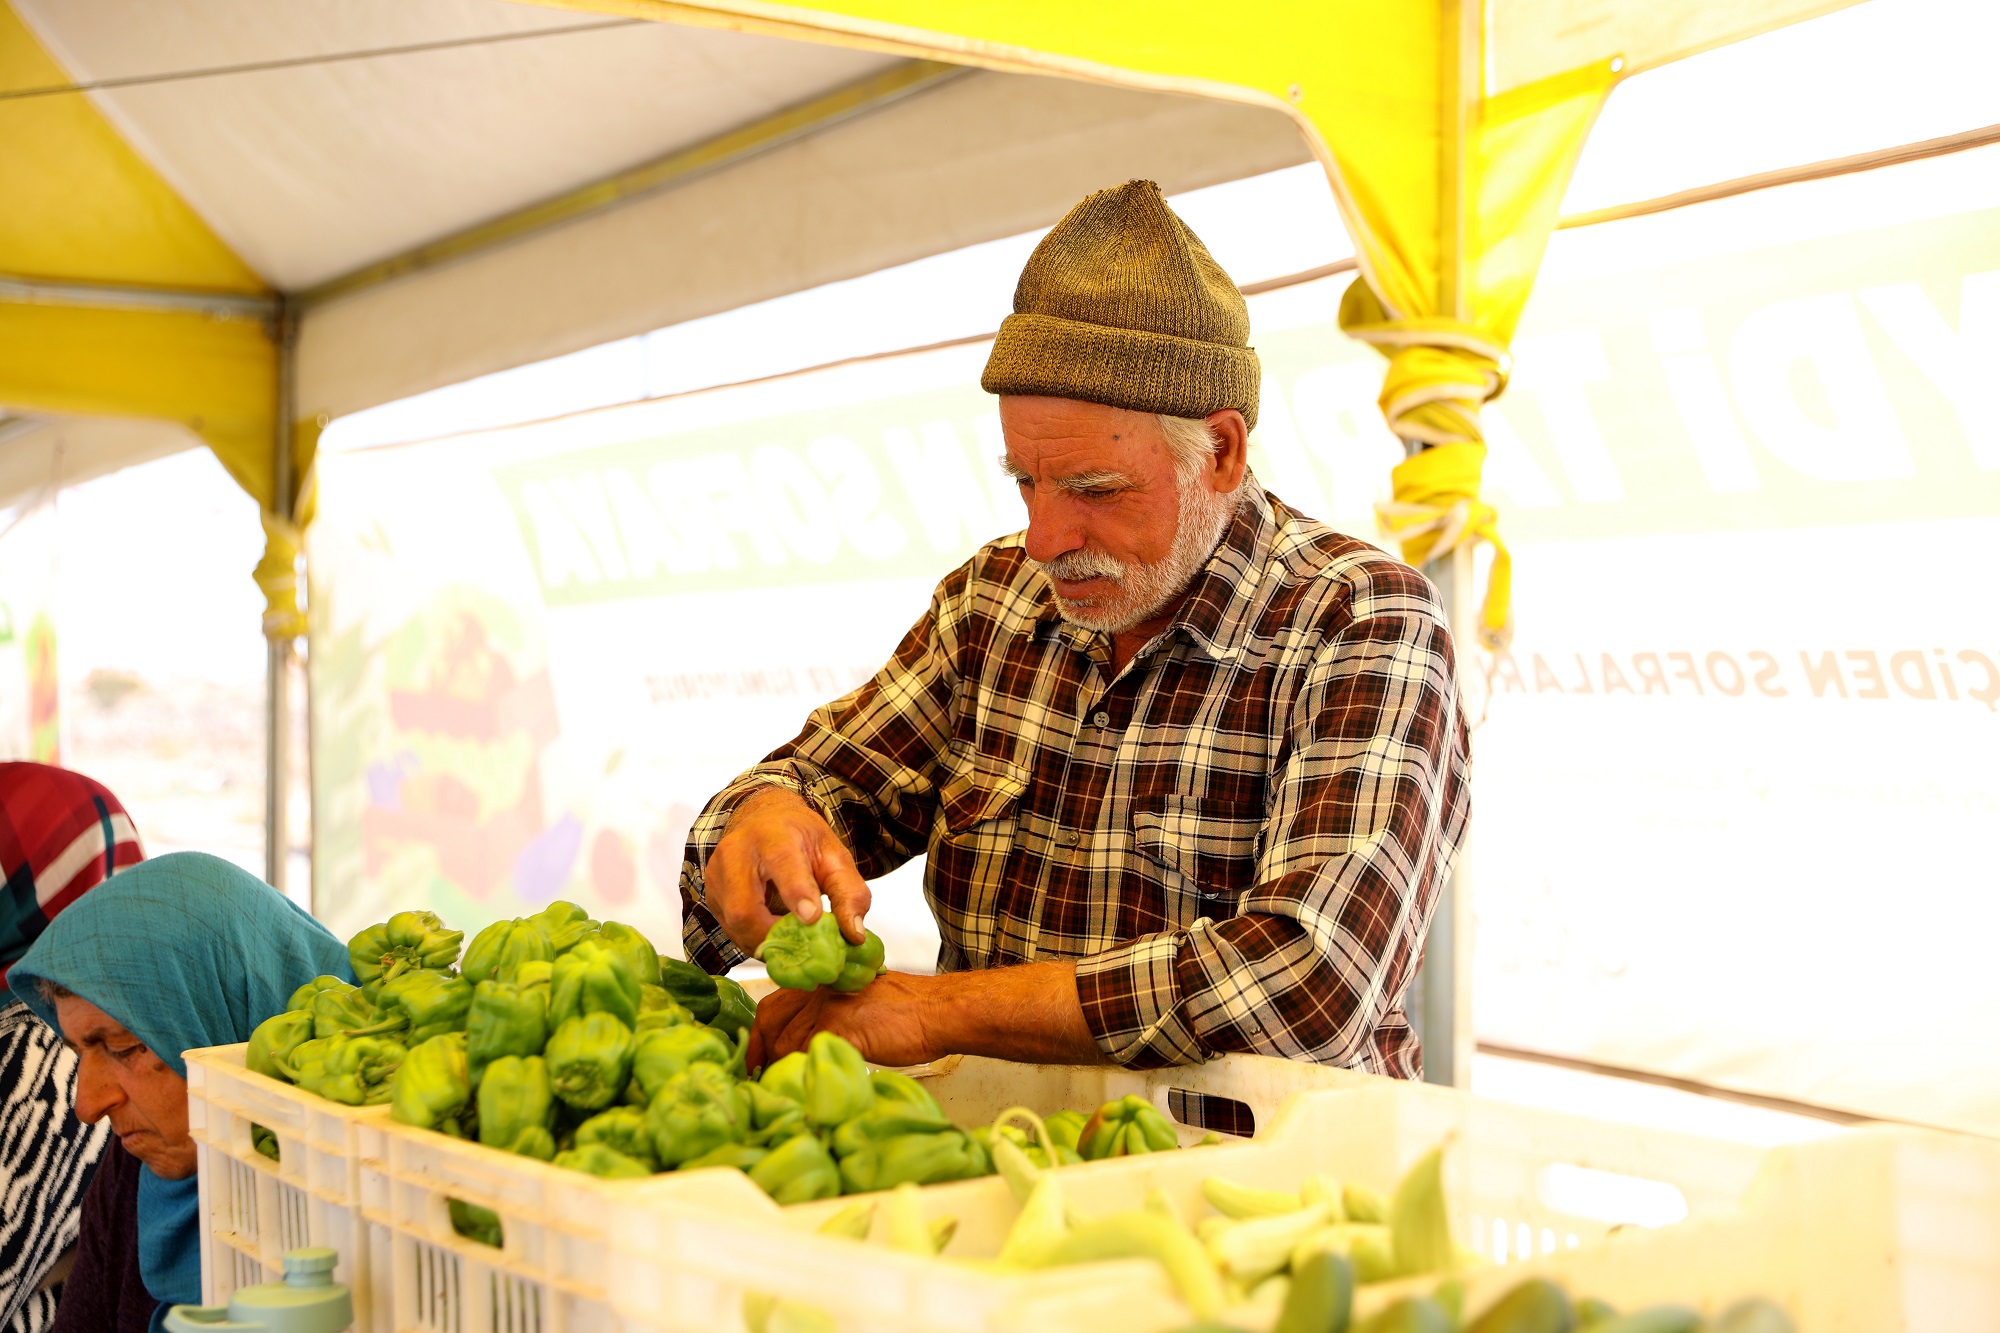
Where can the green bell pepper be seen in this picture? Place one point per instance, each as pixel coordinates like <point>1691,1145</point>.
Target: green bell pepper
<point>1124,1127</point>
<point>434,1086</point>
<point>339,1009</point>
<point>882,1122</point>
<point>566,923</point>
<point>601,1159</point>
<point>406,941</point>
<point>1065,1127</point>
<point>739,1155</point>
<point>590,1058</point>
<point>306,1064</point>
<point>637,951</point>
<point>274,1040</point>
<point>787,1076</point>
<point>420,1005</point>
<point>265,1142</point>
<point>921,1159</point>
<point>804,957</point>
<point>302,998</point>
<point>660,1054</point>
<point>623,1128</point>
<point>865,962</point>
<point>797,1171</point>
<point>505,1019</point>
<point>774,1117</point>
<point>891,1086</point>
<point>591,979</point>
<point>657,1009</point>
<point>836,1082</point>
<point>690,987</point>
<point>475,1223</point>
<point>356,1071</point>
<point>502,947</point>
<point>736,1010</point>
<point>1030,1146</point>
<point>517,1106</point>
<point>696,1112</point>
<point>538,973</point>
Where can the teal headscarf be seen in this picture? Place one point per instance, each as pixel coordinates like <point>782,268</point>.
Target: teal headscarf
<point>186,950</point>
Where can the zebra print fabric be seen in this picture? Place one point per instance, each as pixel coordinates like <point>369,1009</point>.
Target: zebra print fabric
<point>46,1159</point>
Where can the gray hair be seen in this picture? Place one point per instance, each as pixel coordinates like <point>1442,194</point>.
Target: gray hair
<point>1191,441</point>
<point>51,991</point>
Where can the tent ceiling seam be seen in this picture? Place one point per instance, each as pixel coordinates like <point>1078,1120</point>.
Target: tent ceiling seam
<point>301,62</point>
<point>112,296</point>
<point>670,171</point>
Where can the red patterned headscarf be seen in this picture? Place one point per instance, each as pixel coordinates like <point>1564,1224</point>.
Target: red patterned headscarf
<point>61,835</point>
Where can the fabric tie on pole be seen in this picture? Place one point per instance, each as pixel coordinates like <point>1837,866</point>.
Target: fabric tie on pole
<point>277,573</point>
<point>1440,373</point>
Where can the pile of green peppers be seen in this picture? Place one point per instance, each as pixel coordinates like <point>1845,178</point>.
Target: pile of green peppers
<point>574,1042</point>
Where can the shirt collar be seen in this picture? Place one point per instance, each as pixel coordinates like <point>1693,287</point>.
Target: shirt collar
<point>1219,601</point>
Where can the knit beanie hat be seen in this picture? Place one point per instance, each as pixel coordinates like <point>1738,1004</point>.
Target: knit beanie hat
<point>1121,304</point>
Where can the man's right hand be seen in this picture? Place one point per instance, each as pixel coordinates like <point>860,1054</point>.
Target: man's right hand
<point>778,855</point>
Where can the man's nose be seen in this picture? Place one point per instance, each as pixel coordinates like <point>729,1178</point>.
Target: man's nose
<point>97,1090</point>
<point>1053,528</point>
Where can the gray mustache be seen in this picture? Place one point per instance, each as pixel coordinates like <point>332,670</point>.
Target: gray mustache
<point>1079,565</point>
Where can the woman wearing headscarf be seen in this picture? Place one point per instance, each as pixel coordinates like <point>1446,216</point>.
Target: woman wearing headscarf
<point>61,835</point>
<point>179,952</point>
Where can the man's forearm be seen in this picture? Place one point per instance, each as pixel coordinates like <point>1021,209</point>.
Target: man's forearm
<point>1029,1013</point>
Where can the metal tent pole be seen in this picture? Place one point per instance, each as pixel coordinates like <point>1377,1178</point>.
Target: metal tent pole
<point>1441,995</point>
<point>1442,1012</point>
<point>278,648</point>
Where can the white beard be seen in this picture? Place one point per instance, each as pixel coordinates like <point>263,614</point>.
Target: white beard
<point>1143,591</point>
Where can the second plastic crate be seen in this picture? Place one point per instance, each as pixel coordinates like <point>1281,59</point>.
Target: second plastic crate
<point>1876,1231</point>
<point>1519,1180</point>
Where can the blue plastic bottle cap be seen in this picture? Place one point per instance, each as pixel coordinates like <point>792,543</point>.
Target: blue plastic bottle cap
<point>310,1266</point>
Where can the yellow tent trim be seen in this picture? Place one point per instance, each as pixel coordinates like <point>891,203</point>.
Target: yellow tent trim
<point>215,376</point>
<point>79,204</point>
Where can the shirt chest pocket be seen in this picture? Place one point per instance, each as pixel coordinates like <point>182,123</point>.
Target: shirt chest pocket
<point>1203,854</point>
<point>976,791</point>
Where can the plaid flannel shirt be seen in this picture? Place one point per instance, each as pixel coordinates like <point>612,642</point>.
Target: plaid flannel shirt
<point>1239,838</point>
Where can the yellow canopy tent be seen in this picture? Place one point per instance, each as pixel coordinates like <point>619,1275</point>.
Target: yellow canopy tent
<point>1447,129</point>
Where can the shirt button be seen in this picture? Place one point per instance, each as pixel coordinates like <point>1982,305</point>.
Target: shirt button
<point>1069,837</point>
<point>1101,718</point>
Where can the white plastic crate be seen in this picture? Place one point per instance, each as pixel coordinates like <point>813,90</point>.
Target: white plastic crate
<point>554,1271</point>
<point>688,1248</point>
<point>253,1209</point>
<point>1874,1231</point>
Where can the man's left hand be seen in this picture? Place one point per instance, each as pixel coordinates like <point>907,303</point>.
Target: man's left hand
<point>1027,1012</point>
<point>884,1020</point>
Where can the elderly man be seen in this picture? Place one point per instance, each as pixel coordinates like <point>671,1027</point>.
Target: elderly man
<point>1188,766</point>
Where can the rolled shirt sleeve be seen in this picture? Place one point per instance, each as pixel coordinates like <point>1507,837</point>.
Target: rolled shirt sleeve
<point>866,762</point>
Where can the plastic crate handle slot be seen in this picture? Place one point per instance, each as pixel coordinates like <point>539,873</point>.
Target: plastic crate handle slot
<point>1209,1111</point>
<point>1608,1196</point>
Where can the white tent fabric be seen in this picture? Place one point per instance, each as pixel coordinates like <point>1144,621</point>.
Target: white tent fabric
<point>310,171</point>
<point>985,156</point>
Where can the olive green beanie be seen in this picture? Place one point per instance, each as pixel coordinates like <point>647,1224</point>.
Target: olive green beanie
<point>1121,304</point>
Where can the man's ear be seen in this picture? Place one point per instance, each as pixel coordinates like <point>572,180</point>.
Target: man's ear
<point>1232,450</point>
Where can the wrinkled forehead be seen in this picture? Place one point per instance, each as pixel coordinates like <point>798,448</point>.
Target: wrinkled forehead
<point>84,1024</point>
<point>1061,436</point>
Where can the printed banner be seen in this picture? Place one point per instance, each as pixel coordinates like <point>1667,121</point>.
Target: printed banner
<point>30,712</point>
<point>1732,782</point>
